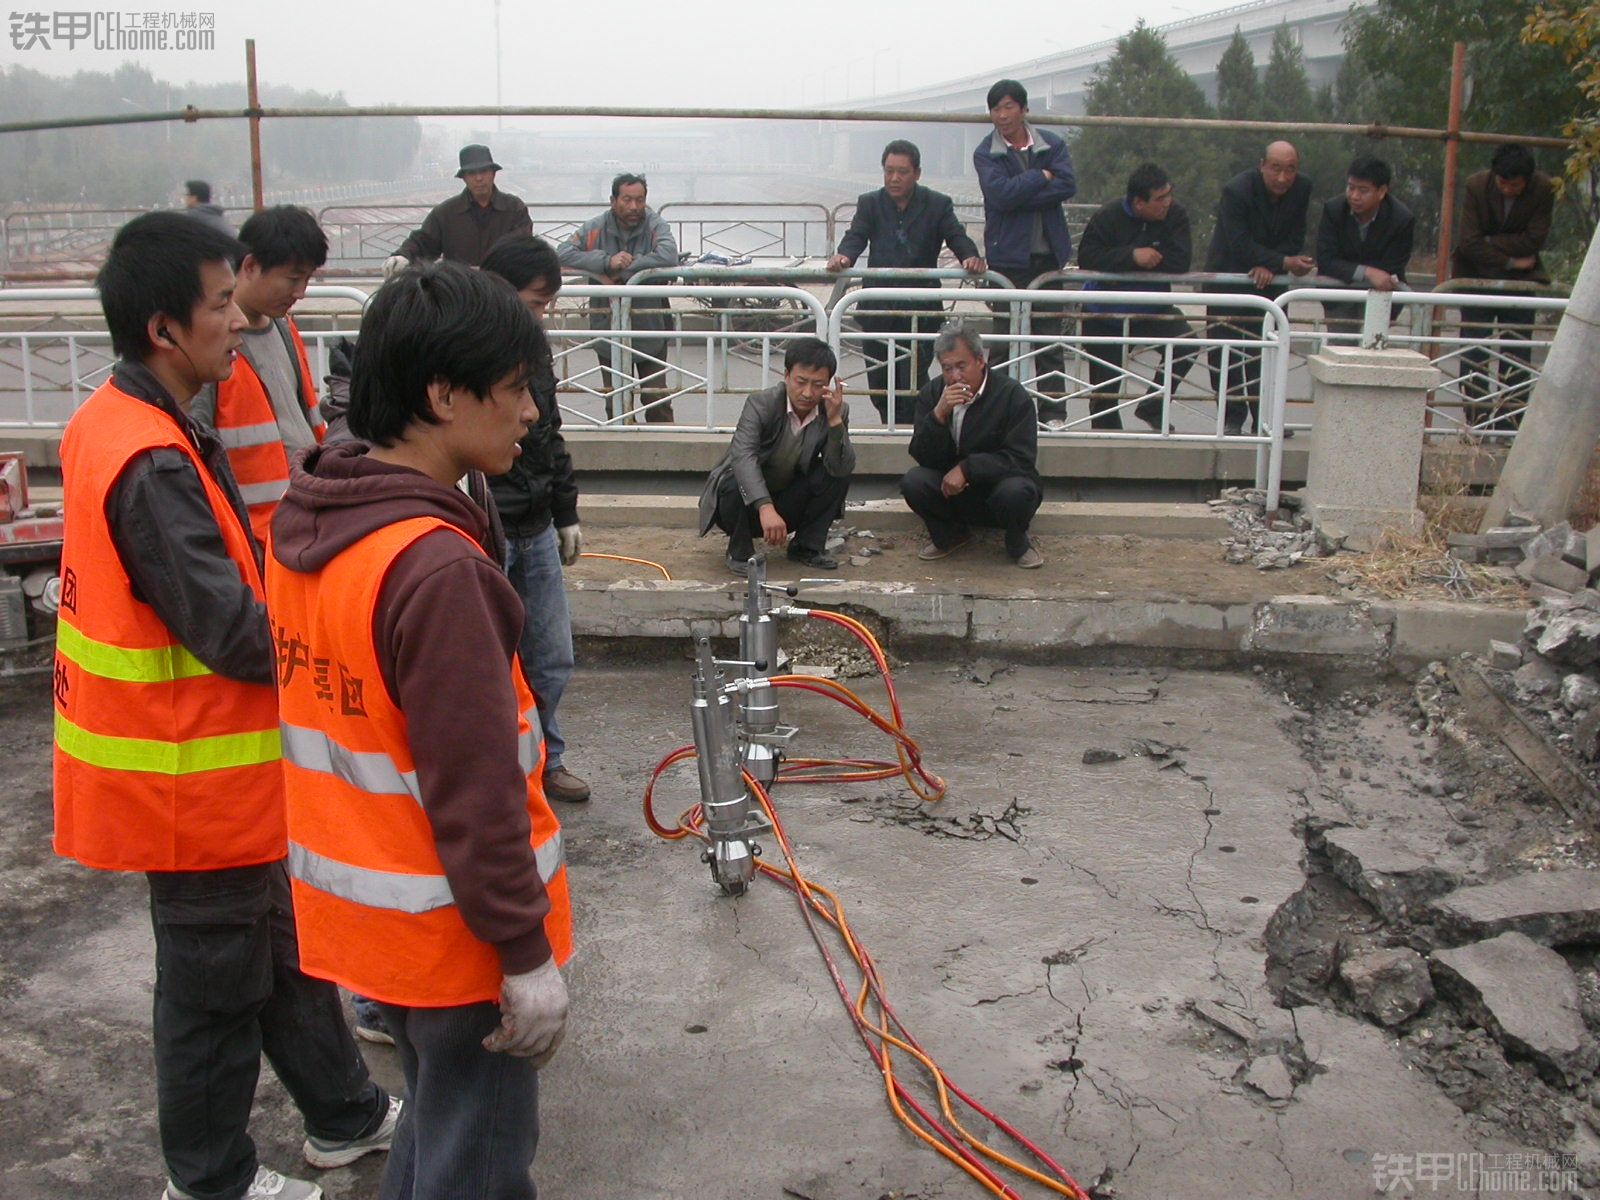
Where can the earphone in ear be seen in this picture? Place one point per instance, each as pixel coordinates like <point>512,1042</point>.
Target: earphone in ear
<point>165,336</point>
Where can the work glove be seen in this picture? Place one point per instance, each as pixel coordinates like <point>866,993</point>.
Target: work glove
<point>533,1015</point>
<point>394,264</point>
<point>571,539</point>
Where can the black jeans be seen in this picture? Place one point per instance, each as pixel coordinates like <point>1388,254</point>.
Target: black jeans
<point>878,355</point>
<point>228,989</point>
<point>1049,365</point>
<point>1244,364</point>
<point>471,1127</point>
<point>811,503</point>
<point>1007,504</point>
<point>1105,361</point>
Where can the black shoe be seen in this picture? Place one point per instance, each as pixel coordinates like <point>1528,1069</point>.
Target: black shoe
<point>739,566</point>
<point>1232,430</point>
<point>820,559</point>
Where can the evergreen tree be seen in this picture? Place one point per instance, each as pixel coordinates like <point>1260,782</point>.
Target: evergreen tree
<point>1142,79</point>
<point>1239,99</point>
<point>1285,89</point>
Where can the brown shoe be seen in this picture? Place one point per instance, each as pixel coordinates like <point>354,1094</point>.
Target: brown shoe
<point>932,552</point>
<point>561,784</point>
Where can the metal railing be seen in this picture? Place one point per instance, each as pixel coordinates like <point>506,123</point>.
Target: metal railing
<point>1021,351</point>
<point>53,371</point>
<point>1489,353</point>
<point>723,341</point>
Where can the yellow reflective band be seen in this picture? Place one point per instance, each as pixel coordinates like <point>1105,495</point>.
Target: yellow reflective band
<point>160,665</point>
<point>167,758</point>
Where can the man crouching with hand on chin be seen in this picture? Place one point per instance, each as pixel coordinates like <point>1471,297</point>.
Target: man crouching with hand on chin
<point>427,866</point>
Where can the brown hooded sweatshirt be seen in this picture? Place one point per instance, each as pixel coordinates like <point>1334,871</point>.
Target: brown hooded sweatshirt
<point>445,629</point>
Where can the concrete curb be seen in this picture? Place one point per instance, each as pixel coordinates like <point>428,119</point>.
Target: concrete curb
<point>1190,522</point>
<point>1319,627</point>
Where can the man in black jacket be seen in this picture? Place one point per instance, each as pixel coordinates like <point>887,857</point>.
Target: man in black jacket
<point>464,227</point>
<point>902,224</point>
<point>1365,236</point>
<point>1147,230</point>
<point>1261,229</point>
<point>976,445</point>
<point>537,502</point>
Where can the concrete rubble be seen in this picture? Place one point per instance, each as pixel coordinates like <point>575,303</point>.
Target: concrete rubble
<point>1524,994</point>
<point>1268,543</point>
<point>1389,985</point>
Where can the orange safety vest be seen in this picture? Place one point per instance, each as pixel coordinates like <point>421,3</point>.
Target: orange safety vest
<point>160,764</point>
<point>372,905</point>
<point>249,431</point>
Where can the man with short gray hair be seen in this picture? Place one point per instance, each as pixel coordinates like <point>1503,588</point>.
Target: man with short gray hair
<point>976,445</point>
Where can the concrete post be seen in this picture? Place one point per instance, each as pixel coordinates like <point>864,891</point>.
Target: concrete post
<point>1366,445</point>
<point>1550,458</point>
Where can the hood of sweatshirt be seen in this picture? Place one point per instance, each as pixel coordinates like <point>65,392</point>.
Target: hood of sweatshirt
<point>338,495</point>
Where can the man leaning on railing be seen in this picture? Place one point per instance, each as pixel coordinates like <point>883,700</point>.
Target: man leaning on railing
<point>1146,230</point>
<point>902,224</point>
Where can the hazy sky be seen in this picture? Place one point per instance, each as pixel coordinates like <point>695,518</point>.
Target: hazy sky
<point>712,53</point>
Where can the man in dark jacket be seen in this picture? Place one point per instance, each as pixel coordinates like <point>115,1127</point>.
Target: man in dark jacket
<point>1026,176</point>
<point>789,465</point>
<point>1365,236</point>
<point>197,203</point>
<point>976,446</point>
<point>902,224</point>
<point>1505,220</point>
<point>1147,230</point>
<point>538,504</point>
<point>1261,229</point>
<point>462,228</point>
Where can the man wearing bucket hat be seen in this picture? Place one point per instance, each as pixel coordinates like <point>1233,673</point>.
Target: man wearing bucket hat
<point>463,227</point>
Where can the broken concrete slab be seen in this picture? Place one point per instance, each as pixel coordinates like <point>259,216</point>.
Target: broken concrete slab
<point>1554,542</point>
<point>1555,908</point>
<point>1525,996</point>
<point>1389,985</point>
<point>1226,1019</point>
<point>1270,1076</point>
<point>1504,656</point>
<point>1553,571</point>
<point>1394,879</point>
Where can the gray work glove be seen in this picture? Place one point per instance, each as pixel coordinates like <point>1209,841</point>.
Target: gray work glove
<point>571,539</point>
<point>533,1015</point>
<point>394,264</point>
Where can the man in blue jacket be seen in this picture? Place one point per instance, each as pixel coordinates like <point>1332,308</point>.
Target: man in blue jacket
<point>1026,178</point>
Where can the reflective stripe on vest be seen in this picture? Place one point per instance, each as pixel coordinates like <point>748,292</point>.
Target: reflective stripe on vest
<point>167,758</point>
<point>263,493</point>
<point>374,771</point>
<point>236,437</point>
<point>393,889</point>
<point>163,664</point>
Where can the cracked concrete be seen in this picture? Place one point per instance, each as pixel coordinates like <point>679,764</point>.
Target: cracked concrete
<point>1046,964</point>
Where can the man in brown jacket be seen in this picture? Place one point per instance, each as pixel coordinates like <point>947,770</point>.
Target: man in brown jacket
<point>1505,219</point>
<point>462,228</point>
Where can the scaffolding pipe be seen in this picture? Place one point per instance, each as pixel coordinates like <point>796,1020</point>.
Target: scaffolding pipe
<point>1375,130</point>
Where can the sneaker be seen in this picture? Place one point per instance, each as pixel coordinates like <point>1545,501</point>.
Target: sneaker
<point>323,1155</point>
<point>561,784</point>
<point>369,1024</point>
<point>1030,559</point>
<point>933,551</point>
<point>267,1185</point>
<point>820,559</point>
<point>739,566</point>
